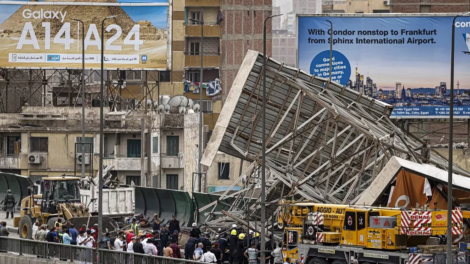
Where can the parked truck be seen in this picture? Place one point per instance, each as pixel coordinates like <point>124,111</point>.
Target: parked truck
<point>338,234</point>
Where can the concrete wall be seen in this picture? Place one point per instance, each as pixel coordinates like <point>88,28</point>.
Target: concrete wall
<point>431,6</point>
<point>358,6</point>
<point>191,139</point>
<point>8,258</point>
<point>234,174</point>
<point>461,157</point>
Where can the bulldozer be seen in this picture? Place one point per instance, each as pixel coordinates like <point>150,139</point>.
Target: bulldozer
<point>60,199</point>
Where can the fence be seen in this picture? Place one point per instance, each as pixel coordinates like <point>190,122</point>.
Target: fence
<point>80,253</point>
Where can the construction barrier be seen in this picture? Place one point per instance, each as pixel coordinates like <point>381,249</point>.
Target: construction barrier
<point>16,183</point>
<point>166,203</point>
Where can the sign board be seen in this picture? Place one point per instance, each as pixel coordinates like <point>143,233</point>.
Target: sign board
<point>47,35</point>
<point>401,60</point>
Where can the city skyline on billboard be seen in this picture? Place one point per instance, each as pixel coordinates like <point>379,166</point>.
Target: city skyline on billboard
<point>40,35</point>
<point>401,60</point>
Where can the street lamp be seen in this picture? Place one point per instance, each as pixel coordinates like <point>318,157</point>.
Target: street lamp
<point>100,169</point>
<point>199,169</point>
<point>451,139</point>
<point>263,164</point>
<point>83,96</point>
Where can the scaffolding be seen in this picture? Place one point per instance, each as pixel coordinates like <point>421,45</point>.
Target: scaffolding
<point>126,90</point>
<point>324,144</point>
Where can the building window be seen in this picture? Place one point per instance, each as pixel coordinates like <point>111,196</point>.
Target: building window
<point>164,76</point>
<point>194,48</point>
<point>172,181</point>
<point>155,145</point>
<point>207,106</point>
<point>224,171</point>
<point>134,148</point>
<point>133,179</point>
<point>195,76</point>
<point>13,145</point>
<point>88,144</point>
<point>194,16</point>
<point>172,145</point>
<point>39,144</point>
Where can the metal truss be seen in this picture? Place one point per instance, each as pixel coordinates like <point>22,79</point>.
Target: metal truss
<point>124,89</point>
<point>324,144</point>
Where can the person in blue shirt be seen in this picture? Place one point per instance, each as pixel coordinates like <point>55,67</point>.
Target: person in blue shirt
<point>73,233</point>
<point>106,241</point>
<point>66,238</point>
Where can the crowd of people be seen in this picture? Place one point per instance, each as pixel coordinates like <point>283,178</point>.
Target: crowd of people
<point>233,246</point>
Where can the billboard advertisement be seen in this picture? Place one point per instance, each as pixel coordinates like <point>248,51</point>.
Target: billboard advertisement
<point>401,60</point>
<point>48,35</point>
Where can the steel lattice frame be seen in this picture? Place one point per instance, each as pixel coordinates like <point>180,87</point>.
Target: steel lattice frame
<point>323,144</point>
<point>62,87</point>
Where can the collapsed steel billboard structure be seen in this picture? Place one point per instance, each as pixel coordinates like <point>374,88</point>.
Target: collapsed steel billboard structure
<point>325,143</point>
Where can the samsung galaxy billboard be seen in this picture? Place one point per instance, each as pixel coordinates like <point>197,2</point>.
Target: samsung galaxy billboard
<point>44,34</point>
<point>401,60</point>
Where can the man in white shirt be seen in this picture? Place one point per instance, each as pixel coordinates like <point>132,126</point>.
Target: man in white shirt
<point>130,249</point>
<point>209,257</point>
<point>119,244</point>
<point>81,241</point>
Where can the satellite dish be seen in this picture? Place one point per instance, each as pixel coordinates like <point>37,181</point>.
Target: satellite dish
<point>182,110</point>
<point>190,111</point>
<point>155,105</point>
<point>190,103</point>
<point>196,108</point>
<point>164,99</point>
<point>149,102</point>
<point>167,109</point>
<point>161,108</point>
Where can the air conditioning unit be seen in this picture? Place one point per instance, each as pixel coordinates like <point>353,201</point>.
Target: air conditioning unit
<point>387,2</point>
<point>80,159</point>
<point>34,159</point>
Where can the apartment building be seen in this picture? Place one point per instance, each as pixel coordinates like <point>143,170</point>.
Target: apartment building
<point>357,6</point>
<point>41,107</point>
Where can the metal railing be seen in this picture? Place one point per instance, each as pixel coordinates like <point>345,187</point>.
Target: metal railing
<point>80,253</point>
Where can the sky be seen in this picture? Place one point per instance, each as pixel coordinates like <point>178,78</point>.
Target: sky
<point>158,15</point>
<point>415,66</point>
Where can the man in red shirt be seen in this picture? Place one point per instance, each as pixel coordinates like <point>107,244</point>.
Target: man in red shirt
<point>129,237</point>
<point>95,234</point>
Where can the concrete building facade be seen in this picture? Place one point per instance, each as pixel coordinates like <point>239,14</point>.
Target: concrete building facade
<point>357,6</point>
<point>43,106</point>
<point>429,6</point>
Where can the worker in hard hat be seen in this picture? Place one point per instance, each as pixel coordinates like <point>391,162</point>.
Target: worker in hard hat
<point>233,242</point>
<point>248,239</point>
<point>195,231</point>
<point>241,248</point>
<point>256,239</point>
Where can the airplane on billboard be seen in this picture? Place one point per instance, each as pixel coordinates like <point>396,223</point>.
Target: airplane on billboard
<point>466,36</point>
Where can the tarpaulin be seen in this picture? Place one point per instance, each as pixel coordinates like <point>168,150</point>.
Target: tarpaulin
<point>408,191</point>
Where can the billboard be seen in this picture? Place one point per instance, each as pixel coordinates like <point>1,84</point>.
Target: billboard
<point>401,60</point>
<point>46,35</point>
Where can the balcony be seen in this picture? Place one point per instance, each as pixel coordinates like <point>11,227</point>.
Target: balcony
<point>204,3</point>
<point>210,61</point>
<point>173,162</point>
<point>10,162</point>
<point>209,31</point>
<point>123,163</point>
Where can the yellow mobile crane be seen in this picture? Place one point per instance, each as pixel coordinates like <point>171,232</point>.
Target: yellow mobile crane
<point>359,228</point>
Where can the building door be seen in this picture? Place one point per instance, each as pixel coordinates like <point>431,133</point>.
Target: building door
<point>172,145</point>
<point>172,181</point>
<point>134,148</point>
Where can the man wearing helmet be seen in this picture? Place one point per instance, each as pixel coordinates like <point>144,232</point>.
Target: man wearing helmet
<point>9,203</point>
<point>195,232</point>
<point>233,241</point>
